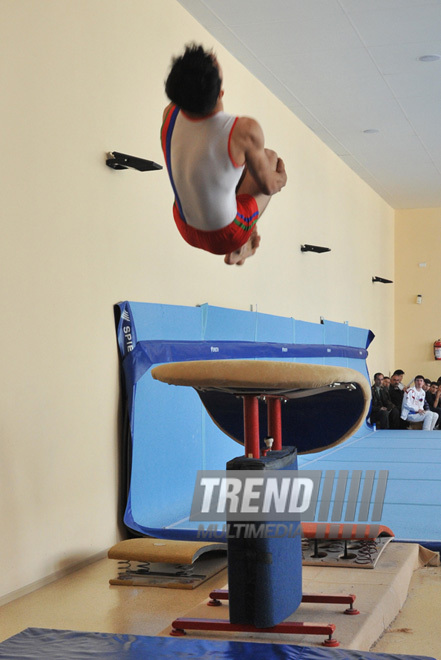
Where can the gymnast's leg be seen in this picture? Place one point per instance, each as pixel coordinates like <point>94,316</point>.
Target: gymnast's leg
<point>248,186</point>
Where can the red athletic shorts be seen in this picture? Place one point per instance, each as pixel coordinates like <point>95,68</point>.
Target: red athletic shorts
<point>229,238</point>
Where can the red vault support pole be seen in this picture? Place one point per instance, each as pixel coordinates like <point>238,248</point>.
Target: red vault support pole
<point>274,413</point>
<point>251,425</point>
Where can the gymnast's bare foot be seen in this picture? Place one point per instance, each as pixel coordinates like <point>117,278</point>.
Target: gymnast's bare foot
<point>237,258</point>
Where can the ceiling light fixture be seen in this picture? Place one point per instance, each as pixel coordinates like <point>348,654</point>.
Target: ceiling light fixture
<point>429,58</point>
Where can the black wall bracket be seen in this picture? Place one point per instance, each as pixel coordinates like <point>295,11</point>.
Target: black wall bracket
<point>314,248</point>
<point>119,161</point>
<point>381,279</point>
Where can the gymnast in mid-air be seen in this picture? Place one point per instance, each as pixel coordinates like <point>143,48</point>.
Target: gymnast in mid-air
<point>221,173</point>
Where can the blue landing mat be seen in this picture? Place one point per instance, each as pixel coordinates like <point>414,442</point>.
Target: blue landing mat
<point>34,643</point>
<point>412,505</point>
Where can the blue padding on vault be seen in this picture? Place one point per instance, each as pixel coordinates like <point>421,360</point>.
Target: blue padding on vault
<point>264,574</point>
<point>42,643</point>
<point>169,435</point>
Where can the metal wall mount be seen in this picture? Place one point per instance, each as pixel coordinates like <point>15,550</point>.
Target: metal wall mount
<point>119,161</point>
<point>314,248</point>
<point>381,279</point>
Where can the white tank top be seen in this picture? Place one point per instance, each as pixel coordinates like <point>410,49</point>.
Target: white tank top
<point>202,170</point>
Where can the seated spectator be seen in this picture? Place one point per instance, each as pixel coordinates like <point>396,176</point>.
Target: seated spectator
<point>386,382</point>
<point>383,412</point>
<point>399,373</point>
<point>433,398</point>
<point>427,384</point>
<point>415,407</point>
<point>396,396</point>
<point>433,387</point>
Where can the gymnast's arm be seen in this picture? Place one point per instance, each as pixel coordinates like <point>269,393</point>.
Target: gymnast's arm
<point>248,146</point>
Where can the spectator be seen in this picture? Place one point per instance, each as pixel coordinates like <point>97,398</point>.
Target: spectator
<point>433,398</point>
<point>433,387</point>
<point>399,373</point>
<point>415,407</point>
<point>395,392</point>
<point>427,384</point>
<point>386,382</point>
<point>383,412</point>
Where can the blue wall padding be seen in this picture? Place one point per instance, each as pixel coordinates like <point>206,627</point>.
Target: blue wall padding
<point>264,574</point>
<point>171,436</point>
<point>47,644</point>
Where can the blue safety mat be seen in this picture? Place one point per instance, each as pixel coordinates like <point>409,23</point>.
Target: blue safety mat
<point>34,643</point>
<point>412,503</point>
<point>168,435</point>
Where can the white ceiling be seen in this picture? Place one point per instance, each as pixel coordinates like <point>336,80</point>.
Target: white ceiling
<point>344,67</point>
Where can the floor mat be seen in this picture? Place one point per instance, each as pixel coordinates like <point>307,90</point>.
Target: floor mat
<point>36,643</point>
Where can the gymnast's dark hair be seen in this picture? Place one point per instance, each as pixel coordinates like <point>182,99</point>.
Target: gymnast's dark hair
<point>193,83</point>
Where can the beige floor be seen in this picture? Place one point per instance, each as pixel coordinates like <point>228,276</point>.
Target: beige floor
<point>416,630</point>
<point>85,601</point>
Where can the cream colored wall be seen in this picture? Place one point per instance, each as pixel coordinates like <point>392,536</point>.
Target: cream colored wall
<point>417,241</point>
<point>80,78</point>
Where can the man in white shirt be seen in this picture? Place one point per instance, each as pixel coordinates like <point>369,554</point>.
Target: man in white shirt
<point>415,408</point>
